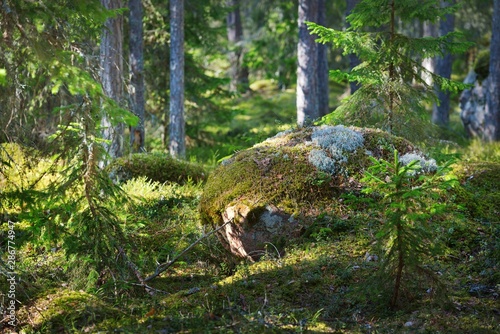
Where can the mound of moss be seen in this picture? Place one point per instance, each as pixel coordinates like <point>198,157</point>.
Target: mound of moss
<point>273,191</point>
<point>159,167</point>
<point>480,189</point>
<point>66,311</point>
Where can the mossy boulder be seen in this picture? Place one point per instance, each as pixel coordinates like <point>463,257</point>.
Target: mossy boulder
<point>273,191</point>
<point>158,167</point>
<point>473,101</point>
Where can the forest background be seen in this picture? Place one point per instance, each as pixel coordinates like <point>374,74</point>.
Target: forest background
<point>86,82</point>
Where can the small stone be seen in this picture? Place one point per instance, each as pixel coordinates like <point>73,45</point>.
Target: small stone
<point>409,324</point>
<point>371,257</point>
<point>192,291</point>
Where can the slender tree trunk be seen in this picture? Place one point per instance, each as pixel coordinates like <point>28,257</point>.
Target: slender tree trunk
<point>177,142</point>
<point>390,112</point>
<point>322,64</point>
<point>441,112</point>
<point>353,59</point>
<point>401,262</point>
<point>492,117</point>
<point>137,135</point>
<point>307,95</point>
<point>111,51</point>
<point>429,30</point>
<point>238,71</point>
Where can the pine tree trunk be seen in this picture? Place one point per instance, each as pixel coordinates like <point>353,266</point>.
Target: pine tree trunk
<point>441,112</point>
<point>307,94</point>
<point>137,135</point>
<point>492,117</point>
<point>429,30</point>
<point>353,59</point>
<point>177,144</point>
<point>322,64</point>
<point>392,74</point>
<point>401,262</point>
<point>238,71</point>
<point>111,51</point>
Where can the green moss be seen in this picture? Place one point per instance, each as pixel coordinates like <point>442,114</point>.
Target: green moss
<point>383,144</point>
<point>158,167</point>
<point>479,194</point>
<point>480,189</point>
<point>68,311</point>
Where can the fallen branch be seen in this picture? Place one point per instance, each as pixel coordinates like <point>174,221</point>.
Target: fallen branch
<point>164,266</point>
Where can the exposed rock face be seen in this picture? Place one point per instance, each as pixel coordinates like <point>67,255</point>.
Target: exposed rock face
<point>473,105</point>
<point>272,192</point>
<point>249,230</point>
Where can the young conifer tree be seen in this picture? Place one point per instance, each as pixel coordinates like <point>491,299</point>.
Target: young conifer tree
<point>392,94</point>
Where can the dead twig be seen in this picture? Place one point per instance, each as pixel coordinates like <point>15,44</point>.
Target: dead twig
<point>164,266</point>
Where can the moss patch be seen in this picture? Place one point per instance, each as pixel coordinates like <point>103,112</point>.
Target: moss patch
<point>158,167</point>
<point>480,191</point>
<point>66,311</point>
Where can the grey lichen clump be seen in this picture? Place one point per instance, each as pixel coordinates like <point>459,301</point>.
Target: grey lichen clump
<point>335,142</point>
<point>424,165</point>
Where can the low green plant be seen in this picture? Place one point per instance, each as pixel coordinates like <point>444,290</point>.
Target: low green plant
<point>409,199</point>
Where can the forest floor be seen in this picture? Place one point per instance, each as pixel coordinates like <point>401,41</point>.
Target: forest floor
<point>321,284</point>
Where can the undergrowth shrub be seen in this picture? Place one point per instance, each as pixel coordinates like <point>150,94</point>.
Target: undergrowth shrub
<point>406,240</point>
<point>479,151</point>
<point>65,202</point>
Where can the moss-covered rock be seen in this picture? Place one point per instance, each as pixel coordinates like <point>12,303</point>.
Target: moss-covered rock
<point>474,108</point>
<point>272,192</point>
<point>158,167</point>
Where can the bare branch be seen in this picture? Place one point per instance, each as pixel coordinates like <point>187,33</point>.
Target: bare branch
<point>164,266</point>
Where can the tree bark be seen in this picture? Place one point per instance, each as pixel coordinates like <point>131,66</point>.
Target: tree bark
<point>443,67</point>
<point>307,94</point>
<point>322,65</point>
<point>137,134</point>
<point>111,74</point>
<point>353,59</point>
<point>238,71</point>
<point>431,30</point>
<point>492,116</point>
<point>177,143</point>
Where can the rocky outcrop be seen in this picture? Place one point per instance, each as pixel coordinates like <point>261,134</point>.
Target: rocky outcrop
<point>473,105</point>
<point>248,230</point>
<point>473,101</point>
<point>270,194</point>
